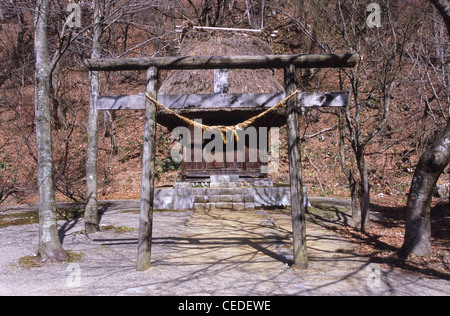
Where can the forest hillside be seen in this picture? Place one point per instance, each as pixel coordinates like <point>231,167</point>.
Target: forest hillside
<point>399,93</point>
<point>404,63</point>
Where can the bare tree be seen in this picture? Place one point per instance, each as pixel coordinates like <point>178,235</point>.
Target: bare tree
<point>50,247</point>
<point>91,209</point>
<point>210,12</point>
<point>443,6</point>
<point>431,165</point>
<point>113,20</point>
<point>8,170</point>
<point>2,17</point>
<point>213,13</point>
<point>418,226</point>
<point>341,26</point>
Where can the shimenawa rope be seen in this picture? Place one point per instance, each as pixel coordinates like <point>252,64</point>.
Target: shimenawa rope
<point>222,128</point>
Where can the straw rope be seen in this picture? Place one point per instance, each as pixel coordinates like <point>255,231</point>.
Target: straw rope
<point>222,128</point>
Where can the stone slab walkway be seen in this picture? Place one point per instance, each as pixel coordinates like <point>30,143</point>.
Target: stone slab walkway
<point>201,253</point>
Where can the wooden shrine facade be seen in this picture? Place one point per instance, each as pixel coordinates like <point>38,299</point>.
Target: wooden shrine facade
<point>221,99</point>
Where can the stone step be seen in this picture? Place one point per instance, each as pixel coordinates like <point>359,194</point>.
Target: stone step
<point>226,181</point>
<point>224,178</point>
<point>223,206</point>
<point>236,198</point>
<point>184,199</point>
<point>219,185</point>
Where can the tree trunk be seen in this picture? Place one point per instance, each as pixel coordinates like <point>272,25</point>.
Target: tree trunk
<point>2,17</point>
<point>443,6</point>
<point>91,220</point>
<point>364,190</point>
<point>50,247</point>
<point>356,218</point>
<point>417,226</point>
<point>432,163</point>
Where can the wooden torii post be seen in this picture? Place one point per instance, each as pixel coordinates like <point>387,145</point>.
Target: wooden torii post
<point>287,62</point>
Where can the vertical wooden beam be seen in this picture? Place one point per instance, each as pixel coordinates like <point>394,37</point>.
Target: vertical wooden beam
<point>221,80</point>
<point>295,173</point>
<point>148,175</point>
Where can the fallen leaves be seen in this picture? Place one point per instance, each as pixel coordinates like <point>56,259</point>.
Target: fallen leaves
<point>384,238</point>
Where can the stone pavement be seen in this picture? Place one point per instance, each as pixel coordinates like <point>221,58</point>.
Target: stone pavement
<point>202,253</point>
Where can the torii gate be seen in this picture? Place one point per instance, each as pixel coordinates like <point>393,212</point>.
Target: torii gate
<point>288,62</point>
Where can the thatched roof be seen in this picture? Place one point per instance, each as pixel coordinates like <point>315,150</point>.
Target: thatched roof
<point>202,43</point>
<point>206,43</point>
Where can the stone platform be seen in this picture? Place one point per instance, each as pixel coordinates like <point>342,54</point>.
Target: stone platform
<point>226,192</point>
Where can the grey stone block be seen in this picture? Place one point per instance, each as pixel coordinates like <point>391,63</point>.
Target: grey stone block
<point>201,198</point>
<point>249,206</point>
<point>224,205</point>
<point>263,183</point>
<point>218,185</point>
<point>182,185</point>
<point>196,191</point>
<point>164,199</point>
<point>200,207</point>
<point>238,206</point>
<point>249,198</point>
<point>221,198</point>
<point>204,206</point>
<point>224,178</point>
<point>223,191</point>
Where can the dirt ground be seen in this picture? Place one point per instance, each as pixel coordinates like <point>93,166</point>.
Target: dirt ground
<point>202,253</point>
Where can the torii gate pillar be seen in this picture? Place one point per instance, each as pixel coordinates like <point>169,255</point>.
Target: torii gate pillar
<point>148,175</point>
<point>295,173</point>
